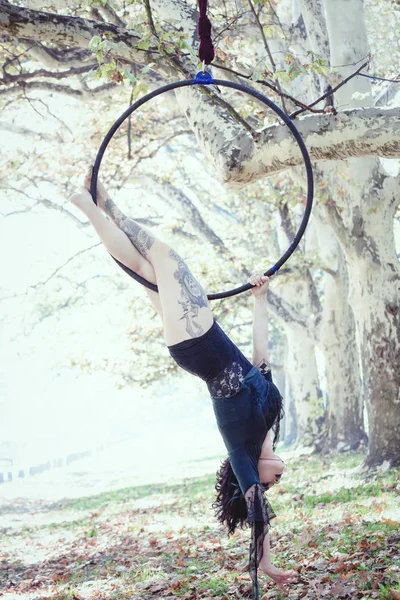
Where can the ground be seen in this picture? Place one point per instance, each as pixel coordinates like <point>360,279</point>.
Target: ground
<point>336,525</point>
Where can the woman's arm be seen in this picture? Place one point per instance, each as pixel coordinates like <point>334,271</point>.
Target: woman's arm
<point>260,318</point>
<point>279,576</point>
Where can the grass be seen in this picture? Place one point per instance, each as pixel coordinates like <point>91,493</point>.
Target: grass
<point>338,527</point>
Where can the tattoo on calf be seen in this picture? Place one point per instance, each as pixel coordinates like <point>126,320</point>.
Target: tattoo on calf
<point>140,238</point>
<point>113,211</point>
<point>192,294</point>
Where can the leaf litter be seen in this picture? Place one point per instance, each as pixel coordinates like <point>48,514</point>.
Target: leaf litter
<point>146,543</point>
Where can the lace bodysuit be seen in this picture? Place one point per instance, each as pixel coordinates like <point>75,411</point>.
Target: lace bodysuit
<point>229,381</point>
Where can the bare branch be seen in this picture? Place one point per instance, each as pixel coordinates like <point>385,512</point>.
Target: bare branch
<point>150,18</point>
<point>269,85</point>
<point>12,128</point>
<point>330,92</point>
<point>285,311</point>
<point>286,221</point>
<point>57,58</point>
<point>268,51</point>
<point>53,274</point>
<point>151,154</point>
<point>336,222</point>
<point>60,89</point>
<point>7,78</point>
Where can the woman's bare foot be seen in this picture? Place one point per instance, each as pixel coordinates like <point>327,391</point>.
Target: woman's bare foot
<point>279,576</point>
<point>83,200</point>
<point>101,190</point>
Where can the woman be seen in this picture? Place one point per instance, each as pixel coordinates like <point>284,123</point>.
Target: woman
<point>246,403</point>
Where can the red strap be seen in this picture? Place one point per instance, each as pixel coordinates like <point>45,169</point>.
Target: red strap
<point>206,48</point>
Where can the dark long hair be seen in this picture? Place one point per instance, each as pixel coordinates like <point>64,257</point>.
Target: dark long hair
<point>230,505</point>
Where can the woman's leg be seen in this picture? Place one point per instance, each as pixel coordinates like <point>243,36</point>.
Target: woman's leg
<point>186,313</point>
<point>119,245</point>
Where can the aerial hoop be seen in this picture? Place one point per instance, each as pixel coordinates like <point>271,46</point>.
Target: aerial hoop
<point>205,78</point>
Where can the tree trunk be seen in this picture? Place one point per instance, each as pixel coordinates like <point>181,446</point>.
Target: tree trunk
<point>289,431</point>
<point>365,231</point>
<point>337,337</point>
<point>363,221</point>
<point>303,381</point>
<point>375,296</point>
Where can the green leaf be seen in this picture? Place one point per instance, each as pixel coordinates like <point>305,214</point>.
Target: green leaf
<point>282,76</point>
<point>140,89</point>
<point>143,44</point>
<point>148,67</point>
<point>269,31</point>
<point>130,76</point>
<point>94,43</point>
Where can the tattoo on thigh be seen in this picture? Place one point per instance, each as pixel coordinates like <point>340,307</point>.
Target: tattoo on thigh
<point>192,294</point>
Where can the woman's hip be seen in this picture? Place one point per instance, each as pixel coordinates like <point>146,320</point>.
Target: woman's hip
<point>209,355</point>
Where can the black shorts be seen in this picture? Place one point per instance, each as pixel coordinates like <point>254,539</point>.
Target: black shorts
<point>209,354</point>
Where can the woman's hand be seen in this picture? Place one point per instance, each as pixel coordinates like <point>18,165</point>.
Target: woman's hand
<point>279,576</point>
<point>260,284</point>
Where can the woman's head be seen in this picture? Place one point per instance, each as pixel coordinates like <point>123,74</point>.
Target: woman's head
<point>230,505</point>
<point>270,470</point>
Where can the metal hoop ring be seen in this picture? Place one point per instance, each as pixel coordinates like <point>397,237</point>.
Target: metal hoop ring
<point>206,79</point>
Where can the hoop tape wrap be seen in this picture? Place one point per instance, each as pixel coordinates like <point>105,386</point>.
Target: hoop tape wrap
<point>206,79</point>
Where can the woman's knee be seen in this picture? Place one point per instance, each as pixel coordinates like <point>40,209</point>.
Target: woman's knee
<point>145,269</point>
<point>163,249</point>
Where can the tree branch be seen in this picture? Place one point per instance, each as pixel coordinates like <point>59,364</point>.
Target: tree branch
<point>330,92</point>
<point>285,311</point>
<point>53,274</point>
<point>150,18</point>
<point>269,85</point>
<point>7,78</point>
<point>12,128</point>
<point>65,31</point>
<point>336,222</point>
<point>59,89</point>
<point>356,132</point>
<point>56,58</point>
<point>109,13</point>
<point>268,51</point>
<point>286,221</point>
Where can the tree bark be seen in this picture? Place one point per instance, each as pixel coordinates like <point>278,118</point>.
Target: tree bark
<point>337,339</point>
<point>361,211</point>
<point>368,242</point>
<point>303,382</point>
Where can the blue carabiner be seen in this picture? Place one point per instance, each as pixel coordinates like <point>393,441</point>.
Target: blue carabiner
<point>204,78</point>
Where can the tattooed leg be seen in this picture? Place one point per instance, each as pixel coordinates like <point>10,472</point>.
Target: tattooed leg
<point>193,296</point>
<point>182,301</point>
<point>120,246</point>
<point>139,235</point>
<point>186,312</point>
